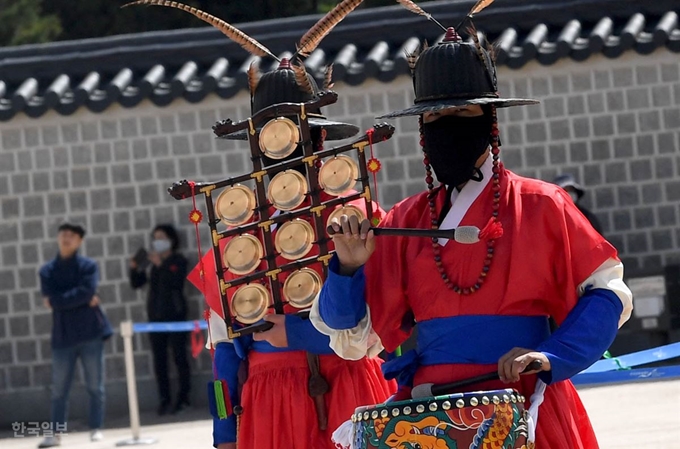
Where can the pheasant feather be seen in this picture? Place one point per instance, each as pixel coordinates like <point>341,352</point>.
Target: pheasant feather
<point>248,43</point>
<point>472,31</point>
<point>253,77</point>
<point>328,77</point>
<point>302,79</point>
<point>479,7</point>
<point>411,6</point>
<point>313,37</point>
<point>476,9</point>
<point>412,58</point>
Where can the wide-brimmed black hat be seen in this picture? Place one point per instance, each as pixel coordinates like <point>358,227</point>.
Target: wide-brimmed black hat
<point>451,74</point>
<point>280,86</point>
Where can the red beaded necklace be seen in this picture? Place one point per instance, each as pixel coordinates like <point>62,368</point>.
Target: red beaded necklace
<point>434,219</point>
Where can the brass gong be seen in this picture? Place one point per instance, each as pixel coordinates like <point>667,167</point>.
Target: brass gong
<point>279,138</point>
<point>235,205</point>
<point>242,254</point>
<point>338,175</point>
<point>348,210</point>
<point>301,287</point>
<point>294,239</point>
<point>287,190</point>
<point>249,303</point>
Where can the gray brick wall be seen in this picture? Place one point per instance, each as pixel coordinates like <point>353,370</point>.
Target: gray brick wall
<point>614,124</point>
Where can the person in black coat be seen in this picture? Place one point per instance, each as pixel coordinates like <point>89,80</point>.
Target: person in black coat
<point>574,189</point>
<point>166,302</point>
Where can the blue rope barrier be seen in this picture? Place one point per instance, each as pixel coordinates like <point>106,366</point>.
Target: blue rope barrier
<point>169,326</point>
<point>621,376</point>
<point>652,355</point>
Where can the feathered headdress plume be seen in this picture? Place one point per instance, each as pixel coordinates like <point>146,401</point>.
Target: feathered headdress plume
<point>472,31</point>
<point>328,77</point>
<point>308,43</point>
<point>310,40</point>
<point>253,76</point>
<point>408,4</point>
<point>476,9</point>
<point>412,58</point>
<point>233,33</point>
<point>301,78</point>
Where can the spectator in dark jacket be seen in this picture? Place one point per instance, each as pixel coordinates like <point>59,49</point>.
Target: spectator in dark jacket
<point>166,302</point>
<point>79,327</point>
<point>574,189</point>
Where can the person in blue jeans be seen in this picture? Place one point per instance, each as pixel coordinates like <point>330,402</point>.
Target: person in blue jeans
<point>79,328</point>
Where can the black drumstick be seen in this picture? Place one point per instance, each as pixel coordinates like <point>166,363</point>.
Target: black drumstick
<point>462,234</point>
<point>436,233</point>
<point>427,390</point>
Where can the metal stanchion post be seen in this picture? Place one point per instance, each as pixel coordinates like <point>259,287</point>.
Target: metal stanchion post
<point>127,333</point>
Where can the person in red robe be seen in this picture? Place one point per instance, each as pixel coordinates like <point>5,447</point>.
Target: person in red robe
<point>480,306</point>
<point>278,410</point>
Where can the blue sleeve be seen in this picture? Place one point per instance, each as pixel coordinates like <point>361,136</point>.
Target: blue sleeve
<point>83,293</point>
<point>586,333</point>
<point>302,336</point>
<point>227,363</point>
<point>341,302</point>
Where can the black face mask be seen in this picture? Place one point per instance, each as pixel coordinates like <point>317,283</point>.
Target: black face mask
<point>453,144</point>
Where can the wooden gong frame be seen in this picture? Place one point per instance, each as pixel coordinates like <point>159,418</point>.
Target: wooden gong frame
<point>264,220</point>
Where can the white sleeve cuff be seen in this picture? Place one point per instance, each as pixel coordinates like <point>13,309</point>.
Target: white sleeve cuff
<point>609,276</point>
<point>217,330</point>
<point>350,344</point>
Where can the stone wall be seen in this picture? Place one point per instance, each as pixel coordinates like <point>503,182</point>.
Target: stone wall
<point>614,124</point>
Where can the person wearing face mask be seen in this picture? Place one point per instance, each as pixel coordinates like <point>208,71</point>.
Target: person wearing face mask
<point>166,302</point>
<point>485,306</point>
<point>576,192</point>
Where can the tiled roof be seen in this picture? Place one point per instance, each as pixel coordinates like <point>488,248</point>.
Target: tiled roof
<point>192,63</point>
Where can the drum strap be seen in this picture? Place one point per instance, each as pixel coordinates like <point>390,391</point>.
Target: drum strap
<point>536,401</point>
<point>316,388</point>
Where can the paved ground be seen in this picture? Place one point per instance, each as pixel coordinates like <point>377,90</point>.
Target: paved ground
<point>643,415</point>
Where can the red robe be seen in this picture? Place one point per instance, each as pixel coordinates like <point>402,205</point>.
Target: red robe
<point>547,250</point>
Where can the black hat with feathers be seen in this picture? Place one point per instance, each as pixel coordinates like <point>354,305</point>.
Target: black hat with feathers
<point>290,82</point>
<point>453,72</point>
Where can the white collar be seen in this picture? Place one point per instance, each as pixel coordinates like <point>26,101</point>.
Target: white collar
<point>461,201</point>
